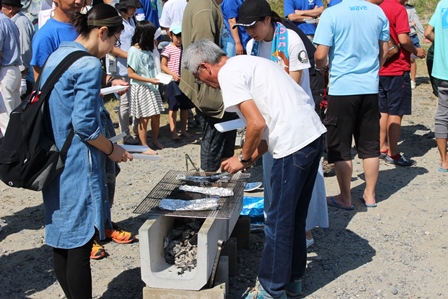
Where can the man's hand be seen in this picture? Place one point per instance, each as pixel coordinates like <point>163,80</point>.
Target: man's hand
<point>239,49</point>
<point>421,53</point>
<point>232,165</point>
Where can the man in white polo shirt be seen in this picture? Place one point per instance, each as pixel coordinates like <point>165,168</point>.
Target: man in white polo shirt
<point>280,118</point>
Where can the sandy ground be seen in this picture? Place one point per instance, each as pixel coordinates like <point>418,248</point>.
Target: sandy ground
<point>397,250</point>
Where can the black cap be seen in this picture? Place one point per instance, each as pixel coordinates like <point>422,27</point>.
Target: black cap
<point>15,3</point>
<point>252,11</point>
<point>125,4</point>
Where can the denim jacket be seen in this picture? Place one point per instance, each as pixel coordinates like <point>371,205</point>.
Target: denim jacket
<point>76,203</point>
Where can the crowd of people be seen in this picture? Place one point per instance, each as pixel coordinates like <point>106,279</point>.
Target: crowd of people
<point>228,59</point>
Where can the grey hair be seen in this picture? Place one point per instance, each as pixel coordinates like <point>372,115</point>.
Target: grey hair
<point>199,52</point>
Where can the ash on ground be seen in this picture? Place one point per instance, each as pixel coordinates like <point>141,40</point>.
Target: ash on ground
<point>180,246</point>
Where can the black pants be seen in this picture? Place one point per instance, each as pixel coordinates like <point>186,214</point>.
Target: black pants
<point>215,146</point>
<point>72,269</point>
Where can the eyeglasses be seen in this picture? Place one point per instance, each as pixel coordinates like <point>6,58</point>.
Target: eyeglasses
<point>196,80</point>
<point>117,42</point>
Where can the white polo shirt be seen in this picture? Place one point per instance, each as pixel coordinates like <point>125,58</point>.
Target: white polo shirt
<point>291,122</point>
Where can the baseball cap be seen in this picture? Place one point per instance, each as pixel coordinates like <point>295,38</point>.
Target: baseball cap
<point>252,11</point>
<point>176,28</point>
<point>125,4</point>
<point>15,3</point>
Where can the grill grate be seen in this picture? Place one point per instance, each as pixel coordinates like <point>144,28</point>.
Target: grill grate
<point>168,188</point>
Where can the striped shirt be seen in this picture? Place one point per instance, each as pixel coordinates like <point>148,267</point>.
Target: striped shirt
<point>172,53</point>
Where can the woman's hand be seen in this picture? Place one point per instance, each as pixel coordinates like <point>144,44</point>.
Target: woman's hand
<point>119,154</point>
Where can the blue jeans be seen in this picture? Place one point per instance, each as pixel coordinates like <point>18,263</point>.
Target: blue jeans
<point>284,253</point>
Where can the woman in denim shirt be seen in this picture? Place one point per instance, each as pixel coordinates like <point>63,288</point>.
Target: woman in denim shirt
<point>76,203</point>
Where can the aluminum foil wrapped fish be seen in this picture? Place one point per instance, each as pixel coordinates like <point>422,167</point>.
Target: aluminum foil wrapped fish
<point>212,191</point>
<point>203,204</point>
<point>223,177</point>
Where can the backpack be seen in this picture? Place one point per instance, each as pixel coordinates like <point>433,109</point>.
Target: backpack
<point>29,157</point>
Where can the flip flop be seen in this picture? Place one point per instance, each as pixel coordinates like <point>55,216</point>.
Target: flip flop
<point>252,186</point>
<point>442,169</point>
<point>333,203</point>
<point>369,205</point>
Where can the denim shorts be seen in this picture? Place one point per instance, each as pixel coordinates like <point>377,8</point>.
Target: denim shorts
<point>415,40</point>
<point>395,95</point>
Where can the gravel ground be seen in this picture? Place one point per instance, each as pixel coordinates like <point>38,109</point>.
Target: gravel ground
<point>397,250</point>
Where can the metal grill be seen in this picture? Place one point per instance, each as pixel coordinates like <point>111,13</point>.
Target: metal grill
<point>168,187</point>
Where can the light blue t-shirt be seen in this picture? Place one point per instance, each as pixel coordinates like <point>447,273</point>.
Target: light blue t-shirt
<point>9,42</point>
<point>48,38</point>
<point>439,21</point>
<point>142,62</point>
<point>353,42</point>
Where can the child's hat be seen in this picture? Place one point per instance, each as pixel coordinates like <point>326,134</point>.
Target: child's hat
<point>125,4</point>
<point>176,28</point>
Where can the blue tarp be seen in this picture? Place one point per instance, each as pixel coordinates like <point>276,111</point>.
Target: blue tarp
<point>254,207</point>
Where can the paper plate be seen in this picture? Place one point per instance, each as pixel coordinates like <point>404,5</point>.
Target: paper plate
<point>112,89</point>
<point>312,21</point>
<point>230,125</point>
<point>134,148</point>
<point>164,78</point>
<point>146,157</point>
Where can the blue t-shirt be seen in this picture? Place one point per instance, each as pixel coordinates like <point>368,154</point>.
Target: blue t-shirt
<point>229,9</point>
<point>334,2</point>
<point>353,42</point>
<point>9,42</point>
<point>439,21</point>
<point>290,6</point>
<point>48,38</point>
<point>150,12</point>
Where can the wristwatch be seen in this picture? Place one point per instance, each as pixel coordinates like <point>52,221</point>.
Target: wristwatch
<point>244,161</point>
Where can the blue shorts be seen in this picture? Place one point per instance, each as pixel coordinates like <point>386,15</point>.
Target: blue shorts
<point>176,102</point>
<point>415,40</point>
<point>395,97</point>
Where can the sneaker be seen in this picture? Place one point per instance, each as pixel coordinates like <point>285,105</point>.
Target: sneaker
<point>130,140</point>
<point>413,85</point>
<point>119,235</point>
<point>309,242</point>
<point>402,161</point>
<point>258,292</point>
<point>294,289</point>
<point>328,169</point>
<point>98,251</point>
<point>383,155</point>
